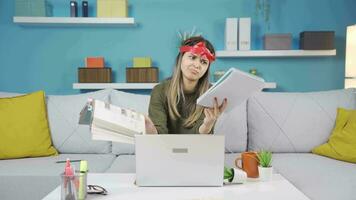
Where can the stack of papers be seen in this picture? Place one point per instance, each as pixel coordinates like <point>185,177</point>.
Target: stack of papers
<point>235,85</point>
<point>116,124</point>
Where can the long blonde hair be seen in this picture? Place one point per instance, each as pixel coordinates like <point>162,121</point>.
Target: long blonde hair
<point>175,92</point>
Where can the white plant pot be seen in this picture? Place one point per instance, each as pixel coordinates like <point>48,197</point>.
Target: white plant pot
<point>265,173</point>
<point>240,176</point>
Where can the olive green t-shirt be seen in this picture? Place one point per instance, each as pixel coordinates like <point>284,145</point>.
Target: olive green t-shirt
<point>158,112</point>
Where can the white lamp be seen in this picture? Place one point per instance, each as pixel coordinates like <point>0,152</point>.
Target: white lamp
<point>350,61</point>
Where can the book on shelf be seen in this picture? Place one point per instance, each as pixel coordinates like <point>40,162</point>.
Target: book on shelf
<point>112,123</point>
<point>235,85</point>
<point>231,34</point>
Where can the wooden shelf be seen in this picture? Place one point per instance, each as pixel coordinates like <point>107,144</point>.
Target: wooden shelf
<point>275,53</point>
<point>133,86</point>
<point>70,21</point>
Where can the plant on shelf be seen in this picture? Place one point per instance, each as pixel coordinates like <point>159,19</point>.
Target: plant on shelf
<point>263,7</point>
<point>265,165</point>
<point>183,35</point>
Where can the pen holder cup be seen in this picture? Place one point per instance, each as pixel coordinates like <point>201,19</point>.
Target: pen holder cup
<point>74,187</point>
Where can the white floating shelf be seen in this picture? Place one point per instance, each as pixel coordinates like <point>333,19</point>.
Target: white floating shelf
<point>133,86</point>
<point>94,21</point>
<point>123,86</point>
<point>270,85</point>
<point>275,53</point>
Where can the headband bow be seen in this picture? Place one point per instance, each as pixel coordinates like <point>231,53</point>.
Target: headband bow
<point>199,49</point>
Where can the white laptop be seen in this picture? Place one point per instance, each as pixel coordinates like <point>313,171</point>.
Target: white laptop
<point>179,160</point>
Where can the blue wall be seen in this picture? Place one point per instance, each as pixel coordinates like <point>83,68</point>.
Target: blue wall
<point>33,58</point>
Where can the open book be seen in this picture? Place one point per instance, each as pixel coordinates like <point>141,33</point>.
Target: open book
<point>110,122</point>
<point>235,85</point>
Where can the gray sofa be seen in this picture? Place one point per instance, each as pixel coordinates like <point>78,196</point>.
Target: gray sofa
<point>289,124</point>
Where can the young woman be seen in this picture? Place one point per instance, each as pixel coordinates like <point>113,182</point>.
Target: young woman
<point>173,108</point>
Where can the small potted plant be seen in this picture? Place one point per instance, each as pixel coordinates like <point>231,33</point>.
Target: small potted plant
<point>183,35</point>
<point>263,7</point>
<point>265,165</point>
<point>233,175</point>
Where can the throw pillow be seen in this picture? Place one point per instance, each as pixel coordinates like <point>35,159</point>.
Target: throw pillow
<point>342,142</point>
<point>24,130</point>
<point>67,135</point>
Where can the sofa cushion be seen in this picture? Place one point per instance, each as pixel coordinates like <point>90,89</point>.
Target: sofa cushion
<point>36,177</point>
<point>316,176</point>
<point>294,122</point>
<point>24,127</point>
<point>47,166</point>
<point>123,164</point>
<point>31,187</point>
<point>137,102</point>
<point>67,135</point>
<point>342,142</point>
<point>233,124</point>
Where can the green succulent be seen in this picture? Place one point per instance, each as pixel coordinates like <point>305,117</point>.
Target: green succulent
<point>265,158</point>
<point>228,174</point>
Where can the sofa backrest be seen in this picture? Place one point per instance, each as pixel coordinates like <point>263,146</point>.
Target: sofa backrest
<point>8,94</point>
<point>233,125</point>
<point>70,137</point>
<point>294,122</point>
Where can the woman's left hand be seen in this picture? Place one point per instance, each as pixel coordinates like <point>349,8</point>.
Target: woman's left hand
<point>212,114</point>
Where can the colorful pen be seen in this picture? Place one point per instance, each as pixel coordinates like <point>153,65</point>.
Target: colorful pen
<point>64,161</point>
<point>82,179</point>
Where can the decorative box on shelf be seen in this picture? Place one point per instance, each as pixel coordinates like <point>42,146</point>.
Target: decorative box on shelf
<point>38,8</point>
<point>112,8</point>
<point>317,40</point>
<point>277,41</point>
<point>94,62</point>
<point>142,74</point>
<point>142,62</point>
<point>94,75</point>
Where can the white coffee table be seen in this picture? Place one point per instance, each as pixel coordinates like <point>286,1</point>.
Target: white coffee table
<point>121,187</point>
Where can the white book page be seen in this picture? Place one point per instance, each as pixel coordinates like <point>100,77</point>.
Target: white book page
<point>236,86</point>
<point>103,134</point>
<point>118,119</point>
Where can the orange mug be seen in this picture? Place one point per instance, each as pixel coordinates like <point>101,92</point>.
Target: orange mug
<point>249,164</point>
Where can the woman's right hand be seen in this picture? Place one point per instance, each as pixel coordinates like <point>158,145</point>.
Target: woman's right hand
<point>150,127</point>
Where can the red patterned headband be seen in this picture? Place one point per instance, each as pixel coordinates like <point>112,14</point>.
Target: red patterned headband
<point>199,49</point>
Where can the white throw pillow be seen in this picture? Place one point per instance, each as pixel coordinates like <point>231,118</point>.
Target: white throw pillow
<point>294,122</point>
<point>67,135</point>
